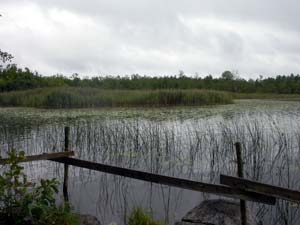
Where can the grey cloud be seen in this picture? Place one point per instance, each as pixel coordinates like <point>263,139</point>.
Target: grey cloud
<point>153,37</point>
<point>278,12</point>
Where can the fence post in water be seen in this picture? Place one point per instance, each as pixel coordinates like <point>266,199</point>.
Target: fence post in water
<point>66,167</point>
<point>241,175</point>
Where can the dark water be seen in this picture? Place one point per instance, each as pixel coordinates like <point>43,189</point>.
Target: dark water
<point>192,142</point>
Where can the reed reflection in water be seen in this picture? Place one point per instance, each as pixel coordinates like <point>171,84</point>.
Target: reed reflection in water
<point>199,149</point>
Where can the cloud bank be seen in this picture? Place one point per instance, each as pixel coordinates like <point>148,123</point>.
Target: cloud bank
<point>153,37</point>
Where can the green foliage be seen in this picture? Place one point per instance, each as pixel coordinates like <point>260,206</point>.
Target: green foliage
<point>24,203</point>
<point>140,217</point>
<point>13,78</point>
<point>5,56</point>
<point>227,75</point>
<point>93,97</point>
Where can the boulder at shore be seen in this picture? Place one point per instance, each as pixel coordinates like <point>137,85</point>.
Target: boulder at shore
<point>216,212</point>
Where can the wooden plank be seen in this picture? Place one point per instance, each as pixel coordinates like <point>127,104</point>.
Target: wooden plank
<point>66,167</point>
<point>171,181</point>
<point>266,189</point>
<point>44,156</point>
<point>240,173</point>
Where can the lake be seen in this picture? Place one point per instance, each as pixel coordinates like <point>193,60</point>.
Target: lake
<point>188,142</point>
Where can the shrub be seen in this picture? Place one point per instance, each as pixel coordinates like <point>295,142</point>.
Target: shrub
<point>26,203</point>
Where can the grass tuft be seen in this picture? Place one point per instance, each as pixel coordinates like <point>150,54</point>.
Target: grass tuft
<point>140,217</point>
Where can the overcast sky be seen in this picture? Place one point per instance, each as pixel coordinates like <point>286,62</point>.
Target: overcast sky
<point>153,37</point>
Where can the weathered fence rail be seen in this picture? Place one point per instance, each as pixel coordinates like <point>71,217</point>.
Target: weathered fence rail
<point>270,190</point>
<point>44,156</point>
<point>171,181</point>
<point>240,173</point>
<point>66,167</point>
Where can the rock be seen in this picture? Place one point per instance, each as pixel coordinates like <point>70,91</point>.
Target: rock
<point>216,212</point>
<point>88,220</point>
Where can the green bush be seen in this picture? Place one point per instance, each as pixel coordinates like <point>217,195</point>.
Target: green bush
<point>26,203</point>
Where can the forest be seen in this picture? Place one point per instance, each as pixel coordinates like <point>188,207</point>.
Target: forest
<point>27,88</point>
<point>13,78</point>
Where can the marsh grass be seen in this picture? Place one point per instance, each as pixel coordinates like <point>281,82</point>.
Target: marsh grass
<point>67,97</point>
<point>198,150</point>
<point>271,96</point>
<point>140,216</point>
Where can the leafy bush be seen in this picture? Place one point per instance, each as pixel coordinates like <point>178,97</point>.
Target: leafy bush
<point>23,202</point>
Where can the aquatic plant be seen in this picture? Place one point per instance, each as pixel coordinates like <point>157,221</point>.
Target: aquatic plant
<point>198,148</point>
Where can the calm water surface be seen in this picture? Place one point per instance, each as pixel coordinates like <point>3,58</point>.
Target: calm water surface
<point>188,142</point>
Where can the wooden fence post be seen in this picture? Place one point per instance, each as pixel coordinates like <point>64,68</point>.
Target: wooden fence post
<point>240,174</point>
<point>66,167</point>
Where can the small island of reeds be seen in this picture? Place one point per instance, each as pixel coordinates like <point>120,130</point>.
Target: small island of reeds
<point>79,97</point>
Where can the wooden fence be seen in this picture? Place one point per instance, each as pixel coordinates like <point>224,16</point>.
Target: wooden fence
<point>232,187</point>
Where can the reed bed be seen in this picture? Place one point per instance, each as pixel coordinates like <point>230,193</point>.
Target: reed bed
<point>68,97</point>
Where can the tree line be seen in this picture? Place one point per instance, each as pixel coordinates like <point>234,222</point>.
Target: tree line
<point>13,78</point>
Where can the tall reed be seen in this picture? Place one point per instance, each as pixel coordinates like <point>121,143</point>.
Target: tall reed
<point>199,149</point>
<point>67,97</point>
